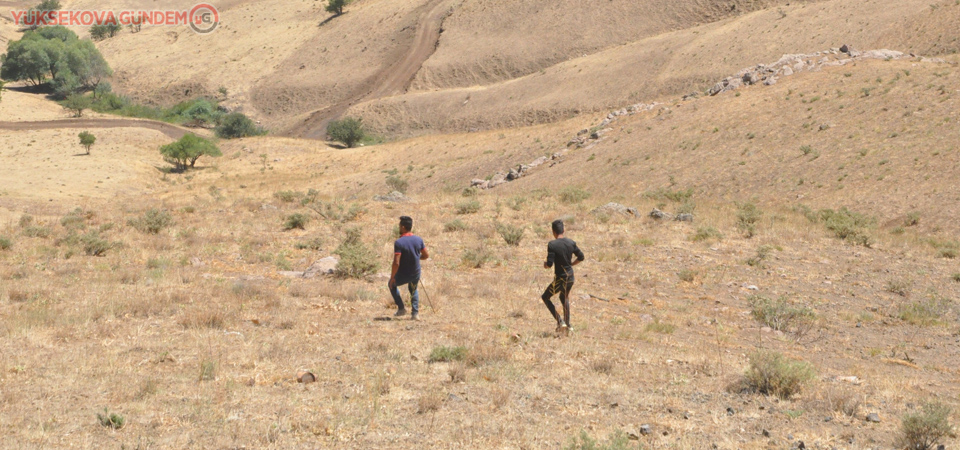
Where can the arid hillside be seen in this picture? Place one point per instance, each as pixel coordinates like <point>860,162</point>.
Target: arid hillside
<point>448,66</point>
<point>141,307</point>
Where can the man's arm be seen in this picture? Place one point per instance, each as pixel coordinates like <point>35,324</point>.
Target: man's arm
<point>550,257</point>
<point>578,254</point>
<point>424,254</point>
<point>395,268</point>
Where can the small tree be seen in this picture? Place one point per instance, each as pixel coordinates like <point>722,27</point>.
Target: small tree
<point>349,131</point>
<point>336,6</point>
<point>76,103</point>
<point>87,139</point>
<point>185,152</point>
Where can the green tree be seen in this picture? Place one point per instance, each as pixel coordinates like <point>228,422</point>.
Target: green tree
<point>87,139</point>
<point>77,103</point>
<point>54,55</point>
<point>185,152</point>
<point>349,131</point>
<point>100,32</point>
<point>237,125</point>
<point>32,13</point>
<point>336,6</point>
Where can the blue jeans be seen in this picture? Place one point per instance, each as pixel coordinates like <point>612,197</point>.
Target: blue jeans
<point>414,294</point>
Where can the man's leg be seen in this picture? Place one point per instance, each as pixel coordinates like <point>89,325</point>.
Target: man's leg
<point>413,287</point>
<point>549,292</point>
<point>565,300</point>
<point>396,299</point>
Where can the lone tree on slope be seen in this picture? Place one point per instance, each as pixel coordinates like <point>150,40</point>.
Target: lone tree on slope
<point>87,139</point>
<point>336,6</point>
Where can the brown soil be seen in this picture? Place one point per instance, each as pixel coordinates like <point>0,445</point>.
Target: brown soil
<point>170,130</point>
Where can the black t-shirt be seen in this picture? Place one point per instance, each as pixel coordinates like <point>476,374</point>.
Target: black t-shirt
<point>560,252</point>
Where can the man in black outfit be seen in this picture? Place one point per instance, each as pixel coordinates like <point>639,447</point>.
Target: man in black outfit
<point>560,252</point>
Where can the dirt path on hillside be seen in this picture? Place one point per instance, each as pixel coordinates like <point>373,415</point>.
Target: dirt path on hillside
<point>172,131</point>
<point>394,79</point>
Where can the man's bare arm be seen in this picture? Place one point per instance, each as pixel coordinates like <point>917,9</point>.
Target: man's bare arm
<point>424,254</point>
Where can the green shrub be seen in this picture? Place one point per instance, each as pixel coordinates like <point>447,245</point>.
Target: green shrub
<point>956,277</point>
<point>618,440</point>
<point>660,327</point>
<point>442,353</point>
<point>152,221</point>
<point>929,311</point>
<point>510,234</point>
<point>468,207</point>
<point>94,245</point>
<point>110,420</point>
<point>946,249</point>
<point>573,195</point>
<point>349,131</point>
<point>780,314</point>
<point>398,184</point>
<point>476,258</point>
<point>899,287</point>
<point>913,219</point>
<point>237,125</point>
<point>5,243</point>
<point>454,225</point>
<point>679,196</point>
<point>36,231</point>
<point>925,429</point>
<point>516,203</point>
<point>287,196</point>
<point>357,260</point>
<point>763,252</point>
<point>848,225</point>
<point>772,374</point>
<point>748,215</point>
<point>76,219</point>
<point>296,220</point>
<point>315,244</point>
<point>706,234</point>
<point>688,275</point>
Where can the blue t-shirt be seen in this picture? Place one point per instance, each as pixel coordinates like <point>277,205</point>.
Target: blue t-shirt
<point>409,248</point>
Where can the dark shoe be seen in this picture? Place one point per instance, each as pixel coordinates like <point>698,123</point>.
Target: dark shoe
<point>560,327</point>
<point>400,312</point>
<point>564,330</point>
<point>415,316</point>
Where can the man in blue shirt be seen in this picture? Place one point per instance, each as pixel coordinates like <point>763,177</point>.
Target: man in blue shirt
<point>408,251</point>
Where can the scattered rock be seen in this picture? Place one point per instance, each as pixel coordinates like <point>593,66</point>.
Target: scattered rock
<point>873,417</point>
<point>266,206</point>
<point>730,411</point>
<point>395,197</point>
<point>765,433</point>
<point>684,217</point>
<point>322,266</point>
<point>646,429</point>
<point>616,208</point>
<point>657,214</point>
<point>306,377</point>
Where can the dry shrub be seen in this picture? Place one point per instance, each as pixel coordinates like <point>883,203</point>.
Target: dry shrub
<point>429,402</point>
<point>203,317</point>
<point>782,315</point>
<point>458,374</point>
<point>841,400</point>
<point>128,276</point>
<point>923,430</point>
<point>500,397</point>
<point>771,373</point>
<point>603,365</point>
<point>487,353</point>
<point>20,295</point>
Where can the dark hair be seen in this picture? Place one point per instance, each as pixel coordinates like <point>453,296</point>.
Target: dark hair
<point>406,222</point>
<point>557,226</point>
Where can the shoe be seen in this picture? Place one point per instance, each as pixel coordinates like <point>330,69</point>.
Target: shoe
<point>400,312</point>
<point>560,327</point>
<point>415,316</point>
<point>564,330</point>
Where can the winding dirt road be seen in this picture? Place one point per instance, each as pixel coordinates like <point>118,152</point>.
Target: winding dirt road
<point>172,131</point>
<point>394,79</point>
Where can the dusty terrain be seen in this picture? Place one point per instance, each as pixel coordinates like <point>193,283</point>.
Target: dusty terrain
<point>195,336</point>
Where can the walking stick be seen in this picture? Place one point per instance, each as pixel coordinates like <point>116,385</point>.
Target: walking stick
<point>427,296</point>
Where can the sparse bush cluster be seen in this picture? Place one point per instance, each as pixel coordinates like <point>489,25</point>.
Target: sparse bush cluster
<point>845,224</point>
<point>357,260</point>
<point>511,235</point>
<point>782,315</point>
<point>618,440</point>
<point>395,183</point>
<point>296,220</point>
<point>468,207</point>
<point>572,195</point>
<point>770,373</point>
<point>748,215</point>
<point>706,234</point>
<point>454,225</point>
<point>925,429</point>
<point>152,221</point>
<point>928,311</point>
<point>476,258</point>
